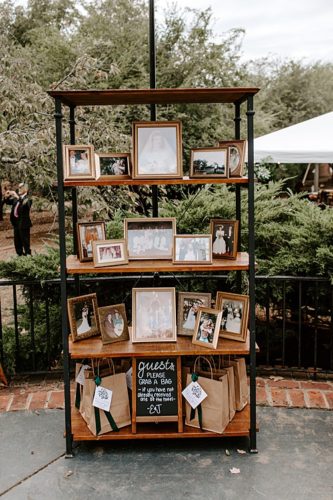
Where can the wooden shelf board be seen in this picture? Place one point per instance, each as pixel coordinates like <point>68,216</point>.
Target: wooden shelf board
<point>153,96</point>
<point>93,348</point>
<point>155,182</point>
<point>239,426</point>
<point>241,263</point>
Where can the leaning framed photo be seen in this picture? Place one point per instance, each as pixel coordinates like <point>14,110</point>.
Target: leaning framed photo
<point>225,238</point>
<point>87,232</point>
<point>109,253</point>
<point>192,249</point>
<point>154,315</point>
<point>207,327</point>
<point>113,323</point>
<point>149,238</point>
<point>157,150</point>
<point>235,314</point>
<point>112,166</point>
<point>187,309</point>
<point>209,162</point>
<point>236,156</point>
<point>79,162</point>
<point>83,316</point>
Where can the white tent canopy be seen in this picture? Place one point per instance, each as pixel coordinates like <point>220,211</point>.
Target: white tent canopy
<point>307,142</point>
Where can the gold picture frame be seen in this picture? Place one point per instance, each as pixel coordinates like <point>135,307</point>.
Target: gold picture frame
<point>87,232</point>
<point>192,249</point>
<point>236,156</point>
<point>107,253</point>
<point>207,327</point>
<point>187,308</point>
<point>113,323</point>
<point>79,162</point>
<point>115,166</point>
<point>209,162</point>
<point>235,314</point>
<point>83,316</point>
<point>149,237</point>
<point>224,238</point>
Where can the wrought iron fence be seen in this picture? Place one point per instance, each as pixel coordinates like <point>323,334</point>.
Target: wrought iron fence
<point>294,325</point>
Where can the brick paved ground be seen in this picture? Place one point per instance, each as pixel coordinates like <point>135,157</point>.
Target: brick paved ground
<point>272,391</point>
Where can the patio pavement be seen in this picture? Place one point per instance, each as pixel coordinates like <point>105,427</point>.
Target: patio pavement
<point>294,462</point>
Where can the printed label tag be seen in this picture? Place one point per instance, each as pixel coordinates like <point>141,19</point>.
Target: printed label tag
<point>102,398</point>
<point>129,380</point>
<point>194,394</point>
<point>80,376</point>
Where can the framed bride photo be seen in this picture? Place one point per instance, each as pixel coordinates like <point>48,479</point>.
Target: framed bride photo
<point>83,316</point>
<point>225,238</point>
<point>188,305</point>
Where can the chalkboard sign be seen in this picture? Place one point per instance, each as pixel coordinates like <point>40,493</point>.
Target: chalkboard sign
<point>156,382</point>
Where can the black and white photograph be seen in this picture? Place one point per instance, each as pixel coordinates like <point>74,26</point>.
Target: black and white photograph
<point>192,248</point>
<point>209,162</point>
<point>154,315</point>
<point>82,315</point>
<point>150,238</point>
<point>113,323</point>
<point>187,310</point>
<point>235,312</point>
<point>236,156</point>
<point>225,238</point>
<point>157,149</point>
<point>207,326</point>
<point>79,162</point>
<point>112,166</point>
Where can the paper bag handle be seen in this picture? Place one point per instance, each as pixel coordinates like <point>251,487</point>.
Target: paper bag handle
<point>207,361</point>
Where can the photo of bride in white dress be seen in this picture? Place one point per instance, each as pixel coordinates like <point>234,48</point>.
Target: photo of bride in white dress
<point>83,324</point>
<point>219,245</point>
<point>82,314</point>
<point>188,307</point>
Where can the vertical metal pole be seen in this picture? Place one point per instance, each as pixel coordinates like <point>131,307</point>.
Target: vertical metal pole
<point>47,324</point>
<point>284,324</point>
<point>252,310</point>
<point>267,323</point>
<point>32,327</point>
<point>237,121</point>
<point>315,347</point>
<point>62,245</point>
<point>17,338</point>
<point>74,198</point>
<point>152,64</point>
<point>331,343</point>
<point>1,339</point>
<point>299,324</point>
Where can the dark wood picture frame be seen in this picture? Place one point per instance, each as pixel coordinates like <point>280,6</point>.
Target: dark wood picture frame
<point>235,314</point>
<point>84,242</point>
<point>236,156</point>
<point>195,300</point>
<point>79,326</point>
<point>207,327</point>
<point>224,238</point>
<point>110,326</point>
<point>115,167</point>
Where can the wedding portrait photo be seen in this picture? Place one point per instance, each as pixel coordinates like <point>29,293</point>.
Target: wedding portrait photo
<point>207,327</point>
<point>225,238</point>
<point>150,238</point>
<point>192,248</point>
<point>187,310</point>
<point>236,156</point>
<point>87,233</point>
<point>113,323</point>
<point>235,314</point>
<point>78,162</point>
<point>82,316</point>
<point>209,162</point>
<point>112,165</point>
<point>109,253</point>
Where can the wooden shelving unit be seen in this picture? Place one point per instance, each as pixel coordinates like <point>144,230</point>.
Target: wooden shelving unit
<point>156,182</point>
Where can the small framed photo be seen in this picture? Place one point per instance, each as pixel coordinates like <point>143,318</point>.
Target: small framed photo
<point>235,314</point>
<point>207,327</point>
<point>187,310</point>
<point>157,150</point>
<point>225,238</point>
<point>113,323</point>
<point>112,166</point>
<point>209,162</point>
<point>192,249</point>
<point>236,156</point>
<point>154,315</point>
<point>79,162</point>
<point>83,316</point>
<point>150,238</point>
<point>87,232</point>
<point>109,253</point>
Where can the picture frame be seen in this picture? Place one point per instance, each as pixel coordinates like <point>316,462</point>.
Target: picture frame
<point>209,162</point>
<point>207,327</point>
<point>83,316</point>
<point>192,249</point>
<point>154,315</point>
<point>224,238</point>
<point>149,238</point>
<point>157,149</point>
<point>108,253</point>
<point>112,166</point>
<point>235,314</point>
<point>87,232</point>
<point>187,308</point>
<point>79,162</point>
<point>236,156</point>
<point>113,323</point>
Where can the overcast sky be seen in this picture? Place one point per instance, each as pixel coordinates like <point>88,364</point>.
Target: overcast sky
<point>299,29</point>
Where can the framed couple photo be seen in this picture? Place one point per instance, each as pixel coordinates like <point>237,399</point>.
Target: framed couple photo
<point>113,323</point>
<point>225,238</point>
<point>150,238</point>
<point>192,249</point>
<point>112,166</point>
<point>83,316</point>
<point>235,314</point>
<point>109,253</point>
<point>207,327</point>
<point>187,310</point>
<point>87,234</point>
<point>79,162</point>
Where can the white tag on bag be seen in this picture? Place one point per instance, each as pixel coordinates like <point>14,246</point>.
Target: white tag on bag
<point>194,394</point>
<point>102,398</point>
<point>80,376</point>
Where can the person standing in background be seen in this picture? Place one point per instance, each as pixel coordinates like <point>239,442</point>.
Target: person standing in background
<point>20,218</point>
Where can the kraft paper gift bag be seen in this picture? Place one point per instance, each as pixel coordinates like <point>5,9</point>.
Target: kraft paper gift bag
<point>241,387</point>
<point>214,412</point>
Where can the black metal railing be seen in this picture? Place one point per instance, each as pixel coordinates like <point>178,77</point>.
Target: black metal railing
<point>294,317</point>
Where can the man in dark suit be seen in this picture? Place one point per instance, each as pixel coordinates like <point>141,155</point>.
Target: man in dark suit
<point>20,218</point>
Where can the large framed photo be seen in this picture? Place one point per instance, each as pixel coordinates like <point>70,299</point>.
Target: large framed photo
<point>150,238</point>
<point>187,310</point>
<point>225,238</point>
<point>154,315</point>
<point>112,166</point>
<point>192,249</point>
<point>87,232</point>
<point>207,327</point>
<point>79,162</point>
<point>157,150</point>
<point>109,253</point>
<point>235,314</point>
<point>236,156</point>
<point>83,316</point>
<point>209,162</point>
<point>113,323</point>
